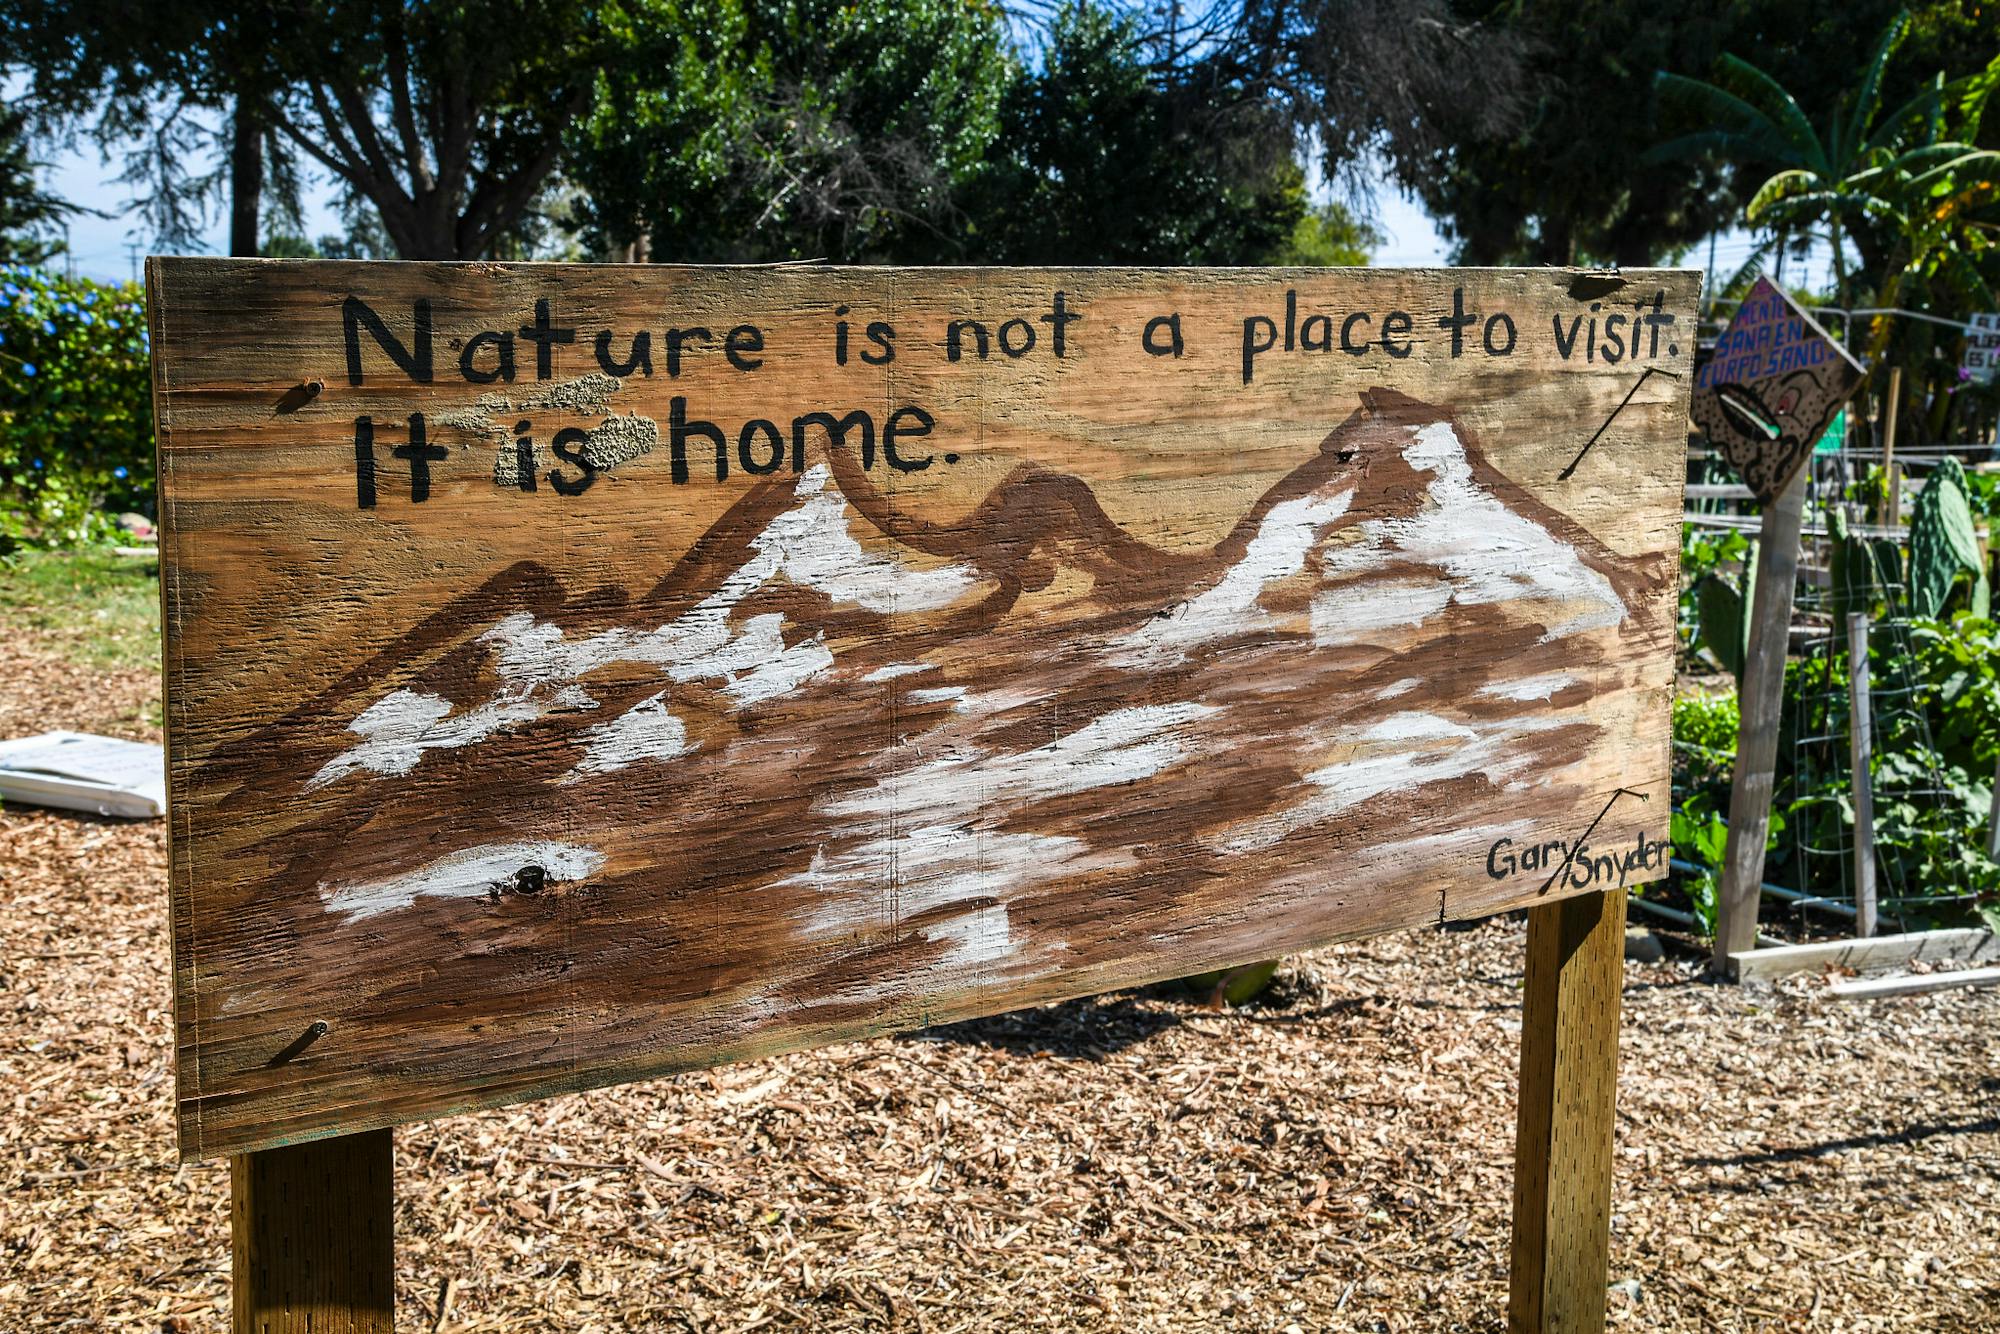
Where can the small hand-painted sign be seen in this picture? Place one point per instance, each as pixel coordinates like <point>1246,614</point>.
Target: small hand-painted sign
<point>577,673</point>
<point>1981,362</point>
<point>1771,389</point>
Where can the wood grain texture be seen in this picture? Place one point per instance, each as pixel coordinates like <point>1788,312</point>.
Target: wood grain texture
<point>1104,667</point>
<point>1569,1083</point>
<point>1762,699</point>
<point>313,1238</point>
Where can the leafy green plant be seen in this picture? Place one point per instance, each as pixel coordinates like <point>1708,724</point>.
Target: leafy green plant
<point>1943,545</point>
<point>1701,837</point>
<point>1960,664</point>
<point>76,420</point>
<point>1865,571</point>
<point>1725,611</point>
<point>1709,722</point>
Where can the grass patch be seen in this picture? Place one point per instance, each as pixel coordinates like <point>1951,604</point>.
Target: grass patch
<point>100,610</point>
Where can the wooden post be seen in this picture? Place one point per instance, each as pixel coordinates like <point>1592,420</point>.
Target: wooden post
<point>1993,818</point>
<point>1891,471</point>
<point>1859,727</point>
<point>1761,704</point>
<point>1562,1150</point>
<point>313,1238</point>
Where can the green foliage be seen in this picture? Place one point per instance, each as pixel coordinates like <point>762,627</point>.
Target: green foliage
<point>1937,733</point>
<point>446,117</point>
<point>886,131</point>
<point>1725,610</point>
<point>76,420</point>
<point>1709,722</point>
<point>28,214</point>
<point>1725,622</point>
<point>1982,490</point>
<point>1711,603</point>
<point>1943,545</point>
<point>1906,182</point>
<point>731,130</point>
<point>1566,186</point>
<point>1705,730</point>
<point>1700,837</point>
<point>1958,664</point>
<point>1096,163</point>
<point>1865,572</point>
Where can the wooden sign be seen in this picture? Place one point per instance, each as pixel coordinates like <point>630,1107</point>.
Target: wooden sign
<point>581,673</point>
<point>1772,388</point>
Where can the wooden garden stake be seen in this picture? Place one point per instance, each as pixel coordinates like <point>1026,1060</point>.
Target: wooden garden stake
<point>1762,703</point>
<point>1569,1077</point>
<point>313,1242</point>
<point>1993,818</point>
<point>1891,470</point>
<point>1859,726</point>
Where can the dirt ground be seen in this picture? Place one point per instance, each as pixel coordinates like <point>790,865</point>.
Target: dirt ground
<point>1334,1158</point>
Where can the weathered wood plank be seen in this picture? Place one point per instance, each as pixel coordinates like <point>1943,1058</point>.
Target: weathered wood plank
<point>313,1238</point>
<point>1569,1086</point>
<point>1874,955</point>
<point>1763,705</point>
<point>1915,984</point>
<point>579,727</point>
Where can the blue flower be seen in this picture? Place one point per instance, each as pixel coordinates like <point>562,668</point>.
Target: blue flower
<point>11,290</point>
<point>118,472</point>
<point>69,307</point>
<point>38,463</point>
<point>3,340</point>
<point>48,327</point>
<point>28,368</point>
<point>113,323</point>
<point>90,298</point>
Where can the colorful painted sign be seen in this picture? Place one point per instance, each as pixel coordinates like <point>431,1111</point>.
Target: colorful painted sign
<point>1771,389</point>
<point>577,673</point>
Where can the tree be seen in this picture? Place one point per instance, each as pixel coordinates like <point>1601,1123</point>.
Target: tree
<point>1571,182</point>
<point>1359,83</point>
<point>911,133</point>
<point>1565,185</point>
<point>1914,172</point>
<point>1098,161</point>
<point>446,117</point>
<point>735,130</point>
<point>28,214</point>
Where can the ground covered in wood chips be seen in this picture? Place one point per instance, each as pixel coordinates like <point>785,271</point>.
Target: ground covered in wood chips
<point>1337,1157</point>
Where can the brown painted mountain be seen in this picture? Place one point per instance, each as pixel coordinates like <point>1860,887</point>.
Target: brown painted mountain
<point>862,760</point>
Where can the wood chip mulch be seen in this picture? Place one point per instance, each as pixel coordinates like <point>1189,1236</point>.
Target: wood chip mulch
<point>1335,1158</point>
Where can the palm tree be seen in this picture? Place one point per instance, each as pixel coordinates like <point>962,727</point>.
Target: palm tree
<point>1899,169</point>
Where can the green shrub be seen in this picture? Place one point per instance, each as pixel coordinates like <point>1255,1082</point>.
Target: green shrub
<point>1707,721</point>
<point>76,415</point>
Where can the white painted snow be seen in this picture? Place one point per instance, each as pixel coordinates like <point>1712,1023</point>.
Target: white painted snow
<point>465,874</point>
<point>1229,606</point>
<point>1488,552</point>
<point>1529,687</point>
<point>646,731</point>
<point>541,669</point>
<point>896,669</point>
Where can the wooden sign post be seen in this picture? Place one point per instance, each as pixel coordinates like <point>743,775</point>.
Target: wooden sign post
<point>1764,399</point>
<point>577,674</point>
